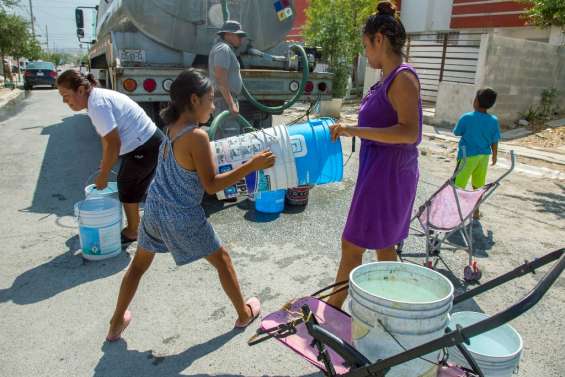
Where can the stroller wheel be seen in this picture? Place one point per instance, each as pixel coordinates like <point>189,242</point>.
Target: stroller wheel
<point>472,273</point>
<point>399,247</point>
<point>434,247</point>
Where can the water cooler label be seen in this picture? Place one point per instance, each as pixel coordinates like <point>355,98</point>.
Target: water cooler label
<point>236,150</point>
<point>98,241</point>
<point>298,144</point>
<point>89,240</point>
<point>231,191</point>
<point>232,152</point>
<point>240,188</point>
<point>264,182</point>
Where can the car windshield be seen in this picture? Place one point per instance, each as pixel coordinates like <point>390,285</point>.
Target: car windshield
<point>41,65</point>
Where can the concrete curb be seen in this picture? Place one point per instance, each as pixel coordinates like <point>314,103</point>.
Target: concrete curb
<point>554,158</point>
<point>504,162</point>
<point>9,102</point>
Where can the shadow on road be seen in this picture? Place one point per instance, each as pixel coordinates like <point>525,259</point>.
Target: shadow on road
<point>119,361</point>
<point>65,271</point>
<point>72,154</point>
<point>481,242</point>
<point>212,205</point>
<point>546,202</point>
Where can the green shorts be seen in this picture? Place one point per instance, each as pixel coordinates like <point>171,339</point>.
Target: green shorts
<point>475,167</point>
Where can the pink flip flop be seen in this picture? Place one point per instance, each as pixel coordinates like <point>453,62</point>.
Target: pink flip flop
<point>127,320</point>
<point>255,307</point>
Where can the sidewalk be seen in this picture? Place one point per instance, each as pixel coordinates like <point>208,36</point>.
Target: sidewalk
<point>9,99</point>
<point>504,146</point>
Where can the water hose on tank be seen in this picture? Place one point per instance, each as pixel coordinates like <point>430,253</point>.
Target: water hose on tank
<point>218,120</point>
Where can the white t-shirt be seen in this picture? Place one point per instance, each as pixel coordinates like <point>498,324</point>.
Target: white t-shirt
<point>108,110</point>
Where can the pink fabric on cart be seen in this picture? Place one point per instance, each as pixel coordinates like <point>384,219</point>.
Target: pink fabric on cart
<point>328,317</point>
<point>451,371</point>
<point>443,208</point>
<point>332,320</point>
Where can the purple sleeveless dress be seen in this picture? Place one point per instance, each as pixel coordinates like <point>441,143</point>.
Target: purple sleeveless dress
<point>384,195</point>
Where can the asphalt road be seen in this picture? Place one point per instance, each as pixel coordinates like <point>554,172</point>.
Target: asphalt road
<point>55,307</point>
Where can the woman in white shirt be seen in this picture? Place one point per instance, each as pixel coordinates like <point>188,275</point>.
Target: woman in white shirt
<point>127,133</point>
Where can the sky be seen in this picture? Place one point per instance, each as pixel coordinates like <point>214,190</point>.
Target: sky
<point>59,17</point>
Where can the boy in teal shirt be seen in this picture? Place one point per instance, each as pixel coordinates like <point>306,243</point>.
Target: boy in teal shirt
<point>479,133</point>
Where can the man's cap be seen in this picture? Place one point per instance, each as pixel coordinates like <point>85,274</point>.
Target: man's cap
<point>232,27</point>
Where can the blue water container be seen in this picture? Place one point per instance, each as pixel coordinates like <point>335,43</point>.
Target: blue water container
<point>318,159</point>
<point>270,201</point>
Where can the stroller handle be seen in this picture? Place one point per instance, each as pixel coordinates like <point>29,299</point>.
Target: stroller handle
<point>461,335</point>
<point>512,166</point>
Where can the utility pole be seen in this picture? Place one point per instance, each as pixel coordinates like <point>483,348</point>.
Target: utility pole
<point>32,20</point>
<point>47,36</point>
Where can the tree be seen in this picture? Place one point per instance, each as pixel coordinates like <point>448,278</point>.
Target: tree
<point>7,3</point>
<point>15,38</point>
<point>31,49</point>
<point>335,26</point>
<point>546,13</point>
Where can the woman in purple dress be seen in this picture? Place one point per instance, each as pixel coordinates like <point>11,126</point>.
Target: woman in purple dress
<point>390,128</point>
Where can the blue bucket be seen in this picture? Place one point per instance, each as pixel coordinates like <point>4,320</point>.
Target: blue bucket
<point>270,201</point>
<point>318,159</point>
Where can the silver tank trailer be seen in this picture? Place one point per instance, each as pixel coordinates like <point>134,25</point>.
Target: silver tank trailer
<point>191,25</point>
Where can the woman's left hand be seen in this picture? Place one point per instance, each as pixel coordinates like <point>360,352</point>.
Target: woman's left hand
<point>338,130</point>
<point>101,182</point>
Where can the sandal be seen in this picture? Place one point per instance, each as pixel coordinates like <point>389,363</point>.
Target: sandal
<point>255,307</point>
<point>127,320</point>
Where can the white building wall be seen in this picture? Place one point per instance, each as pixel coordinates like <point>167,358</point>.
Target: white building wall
<point>530,33</point>
<point>420,16</point>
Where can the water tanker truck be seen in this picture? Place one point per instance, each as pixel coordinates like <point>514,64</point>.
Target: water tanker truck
<point>140,47</point>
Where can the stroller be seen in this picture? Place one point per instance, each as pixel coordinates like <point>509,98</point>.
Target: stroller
<point>449,211</point>
<point>321,333</point>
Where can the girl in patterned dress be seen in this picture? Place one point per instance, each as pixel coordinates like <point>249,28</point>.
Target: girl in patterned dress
<point>174,220</point>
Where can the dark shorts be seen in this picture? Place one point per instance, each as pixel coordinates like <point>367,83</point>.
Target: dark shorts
<point>137,169</point>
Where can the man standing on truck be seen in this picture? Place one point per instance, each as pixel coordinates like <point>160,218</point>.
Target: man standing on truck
<point>224,71</point>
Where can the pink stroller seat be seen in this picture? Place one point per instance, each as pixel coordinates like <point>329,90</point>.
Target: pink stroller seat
<point>330,318</point>
<point>441,211</point>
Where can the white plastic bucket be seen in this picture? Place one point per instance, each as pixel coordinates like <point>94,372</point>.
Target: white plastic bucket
<point>411,302</point>
<point>100,224</point>
<point>497,352</point>
<point>231,152</point>
<point>305,155</point>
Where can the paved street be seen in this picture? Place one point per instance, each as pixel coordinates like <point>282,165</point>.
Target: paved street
<point>55,308</point>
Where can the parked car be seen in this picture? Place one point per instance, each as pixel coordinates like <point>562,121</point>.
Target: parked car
<point>40,73</point>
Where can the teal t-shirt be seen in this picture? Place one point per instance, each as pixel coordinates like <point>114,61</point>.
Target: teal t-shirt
<point>478,132</point>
